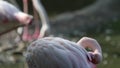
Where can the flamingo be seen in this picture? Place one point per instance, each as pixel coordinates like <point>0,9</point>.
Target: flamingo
<point>55,52</point>
<point>11,17</point>
<point>45,29</point>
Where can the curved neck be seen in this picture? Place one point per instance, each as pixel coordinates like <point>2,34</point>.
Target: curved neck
<point>42,13</point>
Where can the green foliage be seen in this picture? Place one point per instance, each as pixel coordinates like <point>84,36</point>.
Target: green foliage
<point>110,47</point>
<point>16,65</point>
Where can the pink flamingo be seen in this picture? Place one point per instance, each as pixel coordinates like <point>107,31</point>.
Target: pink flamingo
<point>45,29</point>
<point>11,14</point>
<point>11,17</point>
<point>55,52</point>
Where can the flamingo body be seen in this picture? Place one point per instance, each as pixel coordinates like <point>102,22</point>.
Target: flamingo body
<point>55,52</point>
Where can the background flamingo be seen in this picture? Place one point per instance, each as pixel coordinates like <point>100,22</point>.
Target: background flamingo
<point>11,17</point>
<point>44,18</point>
<point>45,29</point>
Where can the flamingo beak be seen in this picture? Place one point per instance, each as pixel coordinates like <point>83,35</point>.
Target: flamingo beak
<point>23,18</point>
